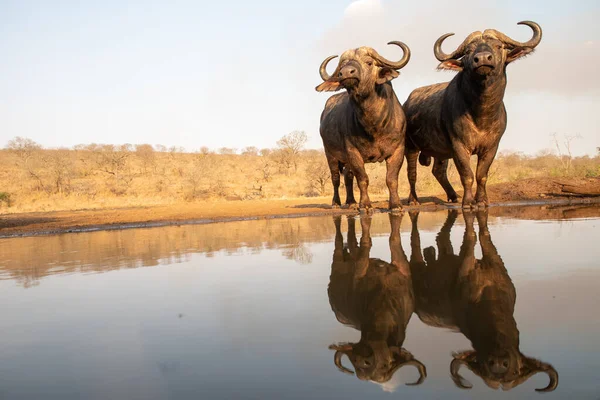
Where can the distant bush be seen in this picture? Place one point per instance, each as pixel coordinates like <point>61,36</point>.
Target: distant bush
<point>5,198</point>
<point>106,175</point>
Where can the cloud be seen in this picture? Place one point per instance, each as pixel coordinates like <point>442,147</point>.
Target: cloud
<point>363,8</point>
<point>562,63</point>
<point>558,79</point>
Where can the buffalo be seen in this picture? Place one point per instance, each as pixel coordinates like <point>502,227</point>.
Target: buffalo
<point>465,116</point>
<point>375,297</point>
<point>477,298</point>
<point>364,124</point>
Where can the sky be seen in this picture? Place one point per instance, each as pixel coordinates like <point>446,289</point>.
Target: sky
<point>242,73</point>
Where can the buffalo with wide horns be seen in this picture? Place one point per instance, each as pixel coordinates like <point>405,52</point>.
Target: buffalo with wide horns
<point>364,124</point>
<point>465,116</point>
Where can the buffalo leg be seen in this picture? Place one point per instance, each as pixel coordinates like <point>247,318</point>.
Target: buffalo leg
<point>338,252</point>
<point>442,239</point>
<point>393,164</point>
<point>484,162</point>
<point>461,159</point>
<point>467,249</point>
<point>488,250</point>
<point>399,259</point>
<point>362,261</point>
<point>440,171</point>
<point>416,256</point>
<point>358,168</point>
<point>334,168</point>
<point>348,182</point>
<point>351,238</point>
<point>411,165</point>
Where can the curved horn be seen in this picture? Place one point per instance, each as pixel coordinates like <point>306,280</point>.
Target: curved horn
<point>459,380</point>
<point>532,43</point>
<point>323,68</point>
<point>391,64</point>
<point>458,53</point>
<point>337,359</point>
<point>437,48</point>
<point>552,374</point>
<point>420,367</point>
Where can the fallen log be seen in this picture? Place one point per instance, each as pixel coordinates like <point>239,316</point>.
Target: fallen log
<point>588,189</point>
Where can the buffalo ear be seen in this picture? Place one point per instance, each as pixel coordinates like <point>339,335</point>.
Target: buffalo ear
<point>452,65</point>
<point>517,53</point>
<point>386,74</point>
<point>328,86</point>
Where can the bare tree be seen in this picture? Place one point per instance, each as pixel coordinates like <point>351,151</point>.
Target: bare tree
<point>283,159</point>
<point>566,158</point>
<point>264,168</point>
<point>27,152</point>
<point>160,148</point>
<point>265,152</point>
<point>112,159</point>
<point>250,151</point>
<point>204,150</point>
<point>24,148</point>
<point>290,147</point>
<point>145,153</point>
<point>299,253</point>
<point>59,167</point>
<point>318,176</point>
<point>227,150</point>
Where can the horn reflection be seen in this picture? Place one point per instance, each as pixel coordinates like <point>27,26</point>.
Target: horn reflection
<point>375,297</point>
<point>476,297</point>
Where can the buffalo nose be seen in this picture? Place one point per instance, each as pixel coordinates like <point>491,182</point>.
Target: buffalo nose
<point>498,366</point>
<point>348,72</point>
<point>483,58</point>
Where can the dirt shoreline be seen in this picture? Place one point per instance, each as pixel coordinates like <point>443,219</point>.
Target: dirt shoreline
<point>59,222</point>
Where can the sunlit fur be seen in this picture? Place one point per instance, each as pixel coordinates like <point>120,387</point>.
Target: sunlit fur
<point>364,124</point>
<point>465,116</point>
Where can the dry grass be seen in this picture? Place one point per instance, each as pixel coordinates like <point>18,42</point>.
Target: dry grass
<point>107,176</point>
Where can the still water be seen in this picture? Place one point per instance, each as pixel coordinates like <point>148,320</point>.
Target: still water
<point>436,305</point>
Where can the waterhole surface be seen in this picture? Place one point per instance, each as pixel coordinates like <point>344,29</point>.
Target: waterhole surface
<point>503,302</point>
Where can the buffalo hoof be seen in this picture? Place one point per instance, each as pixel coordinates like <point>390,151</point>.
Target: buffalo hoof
<point>413,201</point>
<point>396,209</point>
<point>482,205</point>
<point>469,206</point>
<point>367,209</point>
<point>352,206</point>
<point>335,206</point>
<point>453,200</point>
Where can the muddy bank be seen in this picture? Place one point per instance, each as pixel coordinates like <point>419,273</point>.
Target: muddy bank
<point>527,192</point>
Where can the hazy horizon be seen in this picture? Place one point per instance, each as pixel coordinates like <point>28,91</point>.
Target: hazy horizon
<point>236,74</point>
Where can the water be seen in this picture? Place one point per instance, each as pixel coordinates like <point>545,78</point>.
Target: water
<point>259,309</point>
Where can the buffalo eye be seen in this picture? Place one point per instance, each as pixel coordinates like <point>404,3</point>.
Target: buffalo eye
<point>369,63</point>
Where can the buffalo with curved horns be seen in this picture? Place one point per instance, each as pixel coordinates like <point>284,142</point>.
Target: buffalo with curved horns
<point>465,116</point>
<point>375,297</point>
<point>365,123</point>
<point>477,298</point>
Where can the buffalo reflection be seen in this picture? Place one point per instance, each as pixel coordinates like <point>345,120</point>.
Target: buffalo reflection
<point>477,297</point>
<point>375,297</point>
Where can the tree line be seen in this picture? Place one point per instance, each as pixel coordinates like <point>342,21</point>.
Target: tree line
<point>34,178</point>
